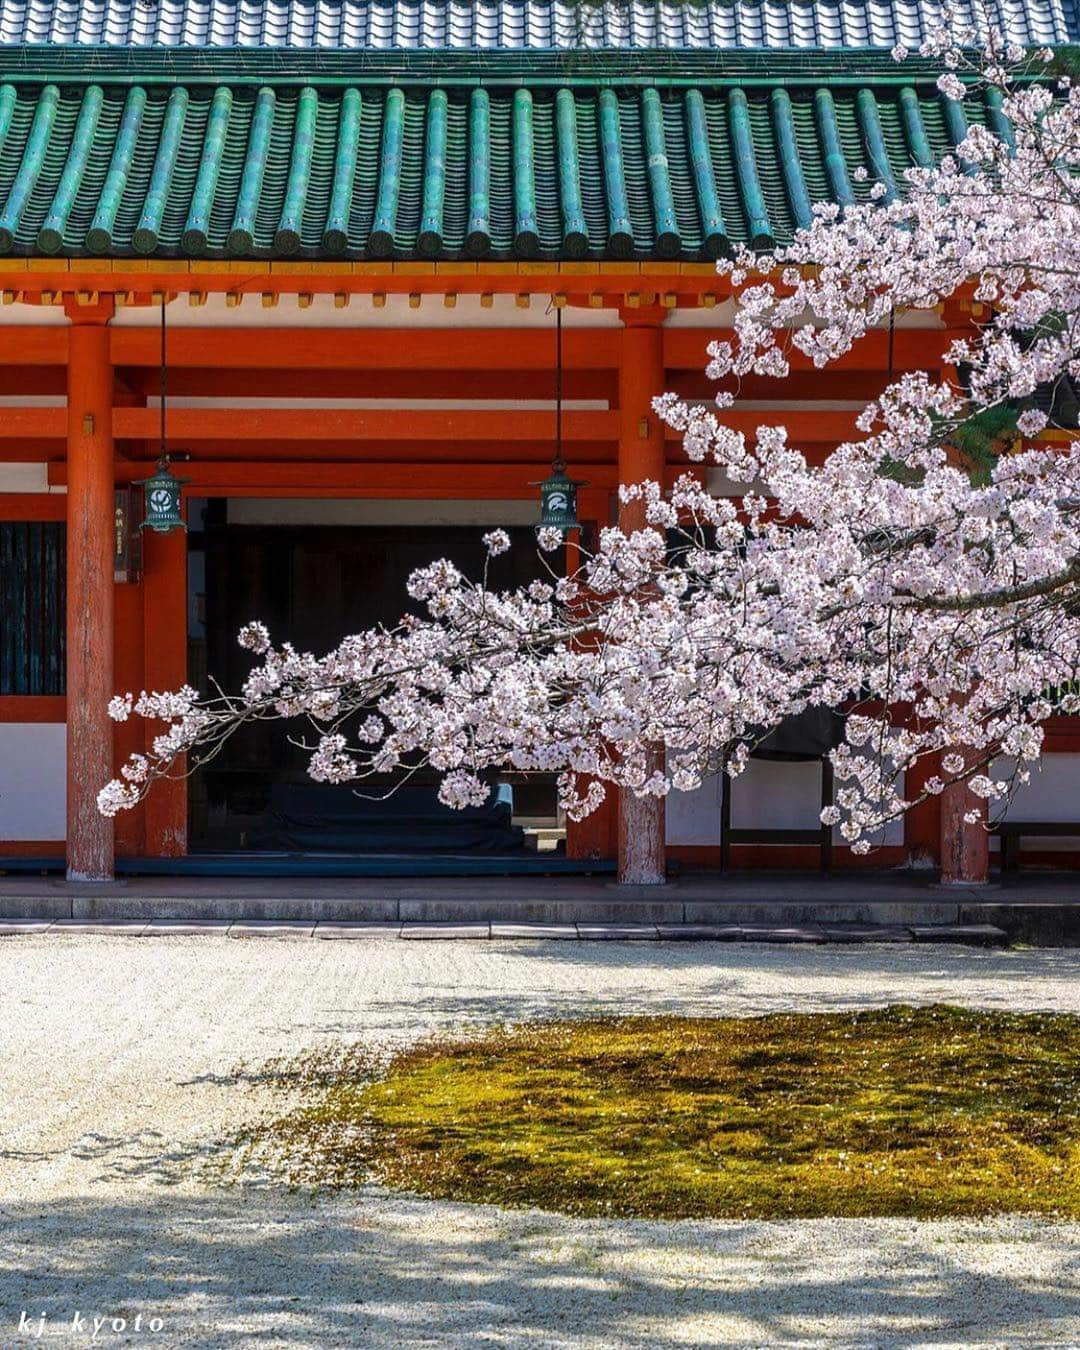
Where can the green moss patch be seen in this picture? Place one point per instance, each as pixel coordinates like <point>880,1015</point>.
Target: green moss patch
<point>901,1111</point>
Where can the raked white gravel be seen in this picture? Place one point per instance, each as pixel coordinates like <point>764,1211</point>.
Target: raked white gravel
<point>115,1056</point>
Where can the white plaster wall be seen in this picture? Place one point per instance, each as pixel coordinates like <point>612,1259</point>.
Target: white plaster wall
<point>719,484</point>
<point>775,795</point>
<point>26,477</point>
<point>33,780</point>
<point>1052,794</point>
<point>23,315</point>
<point>770,794</point>
<point>694,817</point>
<point>767,795</point>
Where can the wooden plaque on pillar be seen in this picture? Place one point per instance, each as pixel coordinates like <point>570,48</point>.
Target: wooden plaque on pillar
<point>127,561</point>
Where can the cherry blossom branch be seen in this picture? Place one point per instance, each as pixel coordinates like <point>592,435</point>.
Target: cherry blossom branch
<point>1004,595</point>
<point>932,604</point>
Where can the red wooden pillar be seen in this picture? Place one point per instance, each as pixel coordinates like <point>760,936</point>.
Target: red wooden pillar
<point>128,737</point>
<point>90,551</point>
<point>922,824</point>
<point>596,836</point>
<point>164,587</point>
<point>965,846</point>
<point>641,457</point>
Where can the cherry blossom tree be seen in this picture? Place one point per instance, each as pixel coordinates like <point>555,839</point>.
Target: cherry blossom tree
<point>924,578</point>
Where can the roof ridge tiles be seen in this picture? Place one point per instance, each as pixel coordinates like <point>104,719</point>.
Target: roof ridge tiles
<point>518,25</point>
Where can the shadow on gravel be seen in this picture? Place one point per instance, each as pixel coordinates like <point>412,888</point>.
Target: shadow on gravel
<point>380,1270</point>
<point>809,978</point>
<point>811,962</point>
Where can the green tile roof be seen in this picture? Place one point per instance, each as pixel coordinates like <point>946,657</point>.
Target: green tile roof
<point>290,169</point>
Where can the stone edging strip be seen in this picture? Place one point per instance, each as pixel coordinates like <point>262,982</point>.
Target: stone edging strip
<point>973,934</point>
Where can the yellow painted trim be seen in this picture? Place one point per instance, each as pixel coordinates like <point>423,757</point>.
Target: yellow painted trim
<point>261,267</point>
<point>201,268</point>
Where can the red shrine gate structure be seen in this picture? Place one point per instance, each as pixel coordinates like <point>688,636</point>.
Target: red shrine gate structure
<point>358,219</point>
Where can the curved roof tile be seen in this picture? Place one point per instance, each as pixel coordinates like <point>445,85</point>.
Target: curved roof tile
<point>292,170</point>
<point>515,25</point>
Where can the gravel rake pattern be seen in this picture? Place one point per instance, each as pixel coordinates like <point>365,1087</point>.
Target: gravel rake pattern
<point>118,1060</point>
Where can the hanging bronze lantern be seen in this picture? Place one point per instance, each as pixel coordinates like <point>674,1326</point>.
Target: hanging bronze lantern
<point>558,492</point>
<point>558,499</point>
<point>162,491</point>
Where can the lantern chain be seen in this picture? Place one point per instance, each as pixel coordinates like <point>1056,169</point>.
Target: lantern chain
<point>560,464</point>
<point>164,383</point>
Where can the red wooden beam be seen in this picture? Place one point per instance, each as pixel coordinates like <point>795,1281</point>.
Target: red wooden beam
<point>33,380</point>
<point>805,426</point>
<point>201,382</point>
<point>485,349</point>
<point>829,384</point>
<point>303,348</point>
<point>30,452</point>
<point>351,424</point>
<point>33,345</point>
<point>33,708</point>
<point>912,349</point>
<point>531,455</point>
<point>33,423</point>
<point>318,429</point>
<point>33,506</point>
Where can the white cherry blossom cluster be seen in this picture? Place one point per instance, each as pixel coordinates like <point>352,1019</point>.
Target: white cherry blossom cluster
<point>934,599</point>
